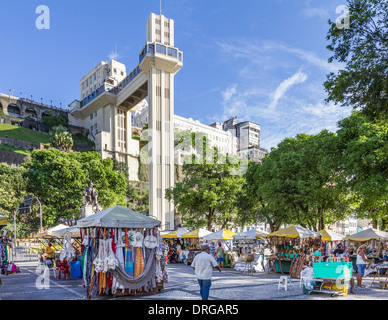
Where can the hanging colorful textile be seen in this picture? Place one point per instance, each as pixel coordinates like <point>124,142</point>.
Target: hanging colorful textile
<point>85,244</point>
<point>139,264</point>
<point>128,255</point>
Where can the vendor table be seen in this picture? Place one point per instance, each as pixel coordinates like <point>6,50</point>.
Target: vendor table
<point>381,281</point>
<point>332,277</point>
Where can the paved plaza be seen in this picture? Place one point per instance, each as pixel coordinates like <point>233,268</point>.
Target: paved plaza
<point>227,285</point>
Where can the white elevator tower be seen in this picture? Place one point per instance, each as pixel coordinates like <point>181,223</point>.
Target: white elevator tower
<point>161,61</point>
<point>109,94</point>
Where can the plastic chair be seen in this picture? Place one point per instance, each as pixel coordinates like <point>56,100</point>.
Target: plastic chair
<point>62,266</point>
<point>283,282</point>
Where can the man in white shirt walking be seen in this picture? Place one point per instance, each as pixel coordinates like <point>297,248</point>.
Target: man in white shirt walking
<point>203,265</point>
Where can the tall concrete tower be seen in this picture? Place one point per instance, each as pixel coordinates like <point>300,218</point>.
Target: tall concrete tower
<point>109,94</point>
<point>162,61</point>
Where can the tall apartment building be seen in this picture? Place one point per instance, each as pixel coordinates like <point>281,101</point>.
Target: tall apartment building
<point>248,137</point>
<point>108,74</point>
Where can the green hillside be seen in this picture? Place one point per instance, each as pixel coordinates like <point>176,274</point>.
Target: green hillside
<point>20,133</point>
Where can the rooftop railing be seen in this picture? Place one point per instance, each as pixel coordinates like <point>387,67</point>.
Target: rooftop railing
<point>148,48</point>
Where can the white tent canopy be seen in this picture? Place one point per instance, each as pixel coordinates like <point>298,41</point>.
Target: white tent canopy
<point>66,231</point>
<point>368,234</point>
<point>49,232</point>
<point>251,234</point>
<point>222,234</point>
<point>118,217</point>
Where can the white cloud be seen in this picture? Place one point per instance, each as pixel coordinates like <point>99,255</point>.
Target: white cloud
<point>281,90</point>
<point>267,90</point>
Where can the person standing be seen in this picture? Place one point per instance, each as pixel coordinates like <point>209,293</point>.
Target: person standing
<point>203,265</point>
<point>361,263</point>
<point>220,255</point>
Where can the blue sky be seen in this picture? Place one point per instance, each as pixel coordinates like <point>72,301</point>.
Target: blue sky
<point>260,60</point>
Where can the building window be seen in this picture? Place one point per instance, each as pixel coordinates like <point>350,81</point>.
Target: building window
<point>158,91</point>
<point>115,71</point>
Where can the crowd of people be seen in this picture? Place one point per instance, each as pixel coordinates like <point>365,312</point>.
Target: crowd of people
<point>177,246</point>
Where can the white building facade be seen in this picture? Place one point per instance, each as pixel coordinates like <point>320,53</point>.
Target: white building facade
<point>224,141</point>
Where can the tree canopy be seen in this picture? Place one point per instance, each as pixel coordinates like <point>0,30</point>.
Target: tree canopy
<point>363,48</point>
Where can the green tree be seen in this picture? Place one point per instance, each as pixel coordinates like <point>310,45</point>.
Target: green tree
<point>55,121</point>
<point>58,179</point>
<point>137,197</point>
<point>206,196</point>
<point>363,48</point>
<point>364,157</point>
<point>61,139</point>
<point>296,182</point>
<point>12,191</point>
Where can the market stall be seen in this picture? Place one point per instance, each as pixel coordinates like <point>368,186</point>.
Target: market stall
<point>293,247</point>
<point>377,249</point>
<point>176,245</point>
<point>70,256</point>
<point>194,241</point>
<point>47,236</point>
<point>330,241</point>
<point>121,253</point>
<point>175,234</point>
<point>3,221</point>
<point>224,238</point>
<point>250,245</point>
<point>5,239</point>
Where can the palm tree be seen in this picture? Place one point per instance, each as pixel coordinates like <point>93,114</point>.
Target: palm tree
<point>61,139</point>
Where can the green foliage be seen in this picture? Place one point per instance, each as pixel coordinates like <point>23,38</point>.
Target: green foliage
<point>363,83</point>
<point>137,197</point>
<point>296,183</point>
<point>364,157</point>
<point>206,196</point>
<point>8,148</point>
<point>55,121</point>
<point>12,191</point>
<point>58,179</point>
<point>61,139</point>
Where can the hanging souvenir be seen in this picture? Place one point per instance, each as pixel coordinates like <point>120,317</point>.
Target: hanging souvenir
<point>150,241</point>
<point>138,242</point>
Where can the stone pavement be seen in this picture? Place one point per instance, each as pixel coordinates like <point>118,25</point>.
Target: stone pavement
<point>233,285</point>
<point>226,285</point>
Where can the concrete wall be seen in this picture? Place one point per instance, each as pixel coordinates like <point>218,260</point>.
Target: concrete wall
<point>11,158</point>
<point>22,144</point>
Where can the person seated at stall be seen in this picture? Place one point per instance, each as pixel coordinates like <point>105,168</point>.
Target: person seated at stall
<point>50,253</point>
<point>42,257</point>
<point>173,257</point>
<point>338,250</point>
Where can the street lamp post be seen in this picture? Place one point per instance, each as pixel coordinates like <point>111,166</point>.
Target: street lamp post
<point>40,213</point>
<point>14,234</point>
